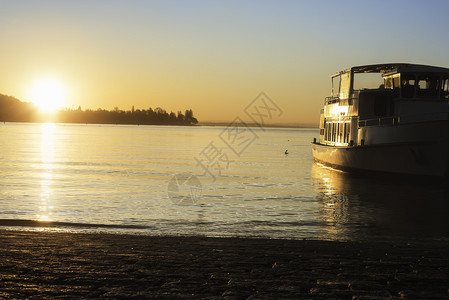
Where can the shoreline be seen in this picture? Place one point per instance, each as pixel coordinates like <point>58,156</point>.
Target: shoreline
<point>55,264</point>
<point>200,124</point>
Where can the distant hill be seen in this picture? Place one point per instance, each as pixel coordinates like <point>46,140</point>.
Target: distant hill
<point>14,110</point>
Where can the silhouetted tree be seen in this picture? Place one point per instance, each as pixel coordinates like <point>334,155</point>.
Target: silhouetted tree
<point>13,110</point>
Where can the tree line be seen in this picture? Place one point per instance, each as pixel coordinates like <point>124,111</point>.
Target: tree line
<point>13,110</point>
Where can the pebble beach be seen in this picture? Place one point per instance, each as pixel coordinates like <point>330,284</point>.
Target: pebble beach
<point>46,264</point>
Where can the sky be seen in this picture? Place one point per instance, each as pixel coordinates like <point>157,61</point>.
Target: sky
<point>213,57</point>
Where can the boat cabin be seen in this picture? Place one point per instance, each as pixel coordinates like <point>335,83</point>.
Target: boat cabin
<point>382,95</point>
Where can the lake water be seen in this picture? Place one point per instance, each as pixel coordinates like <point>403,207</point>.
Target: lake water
<point>214,181</point>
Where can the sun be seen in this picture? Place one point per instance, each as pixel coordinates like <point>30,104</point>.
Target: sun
<point>48,94</point>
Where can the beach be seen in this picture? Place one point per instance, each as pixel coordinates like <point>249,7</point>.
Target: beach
<point>42,263</point>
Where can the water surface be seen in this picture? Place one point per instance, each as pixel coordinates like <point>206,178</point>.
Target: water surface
<point>133,178</point>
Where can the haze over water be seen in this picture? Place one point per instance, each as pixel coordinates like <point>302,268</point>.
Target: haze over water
<point>124,175</point>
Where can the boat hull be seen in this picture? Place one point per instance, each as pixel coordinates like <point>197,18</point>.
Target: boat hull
<point>418,158</point>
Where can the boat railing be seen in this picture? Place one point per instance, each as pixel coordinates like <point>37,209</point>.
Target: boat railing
<point>336,99</point>
<point>407,118</point>
<point>380,121</point>
<point>331,99</point>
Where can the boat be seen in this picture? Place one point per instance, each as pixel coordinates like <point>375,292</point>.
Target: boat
<point>389,118</point>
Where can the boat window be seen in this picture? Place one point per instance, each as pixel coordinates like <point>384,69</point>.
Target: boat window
<point>396,83</point>
<point>331,136</point>
<point>445,87</point>
<point>334,131</point>
<point>389,83</point>
<point>427,86</point>
<point>392,83</point>
<point>408,85</point>
<point>347,131</point>
<point>340,132</point>
<point>335,86</point>
<point>368,81</point>
<point>345,85</point>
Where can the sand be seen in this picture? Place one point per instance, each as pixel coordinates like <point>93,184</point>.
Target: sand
<point>57,265</point>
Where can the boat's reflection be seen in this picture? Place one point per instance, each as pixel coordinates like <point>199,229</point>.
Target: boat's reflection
<point>365,207</point>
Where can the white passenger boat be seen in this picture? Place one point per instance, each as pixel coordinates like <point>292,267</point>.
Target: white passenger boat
<point>390,118</point>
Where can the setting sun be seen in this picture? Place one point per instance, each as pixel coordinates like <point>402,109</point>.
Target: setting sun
<point>49,95</point>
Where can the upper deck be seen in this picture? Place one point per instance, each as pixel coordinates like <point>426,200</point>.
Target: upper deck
<point>367,88</point>
<point>395,68</point>
<point>383,95</point>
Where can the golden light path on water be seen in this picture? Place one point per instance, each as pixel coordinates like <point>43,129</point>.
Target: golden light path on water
<point>46,176</point>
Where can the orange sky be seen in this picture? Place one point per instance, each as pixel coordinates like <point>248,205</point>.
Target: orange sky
<point>213,57</point>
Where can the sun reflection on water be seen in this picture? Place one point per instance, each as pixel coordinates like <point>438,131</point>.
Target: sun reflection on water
<point>47,159</point>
